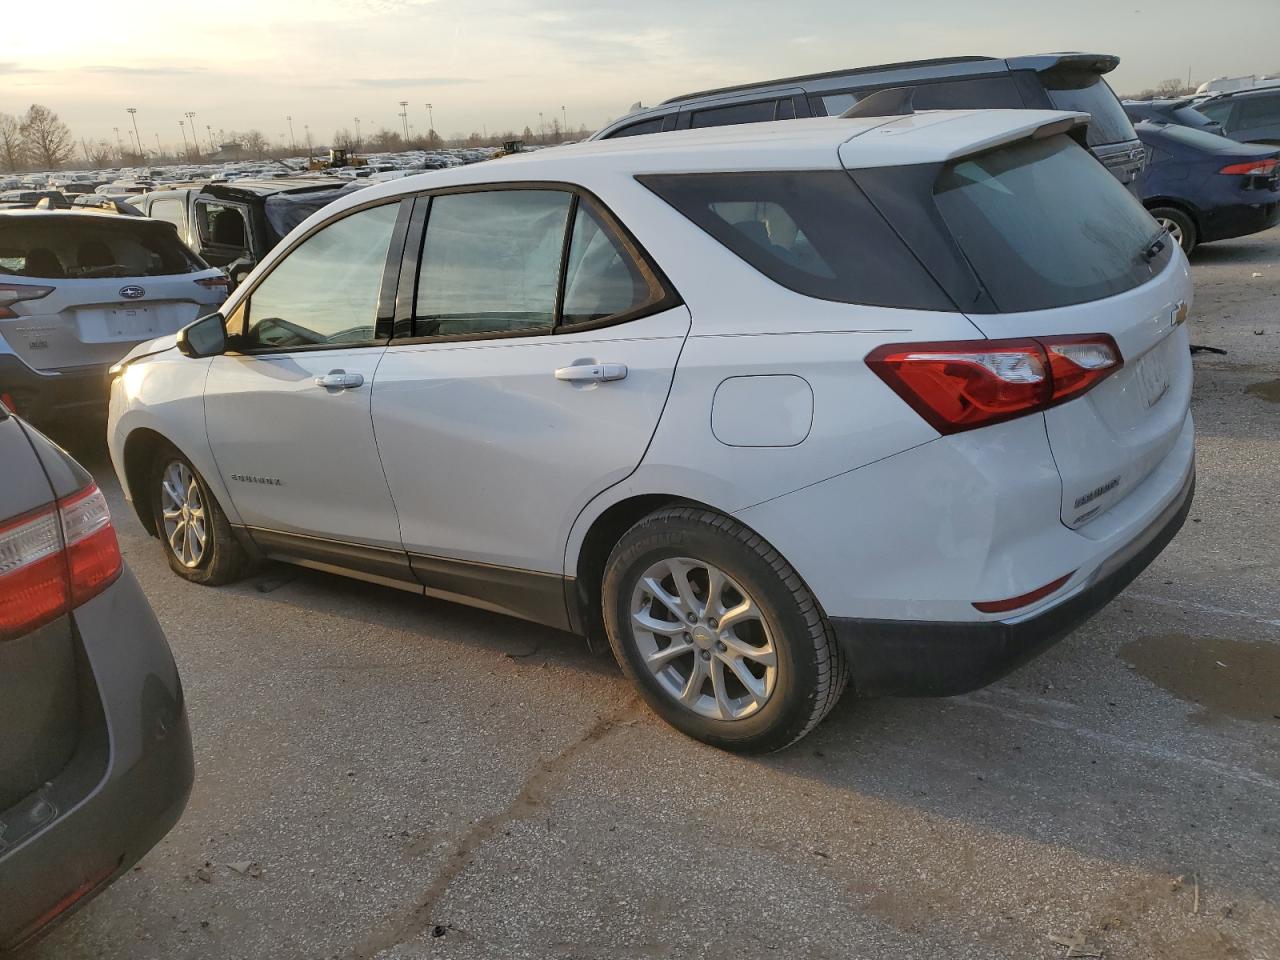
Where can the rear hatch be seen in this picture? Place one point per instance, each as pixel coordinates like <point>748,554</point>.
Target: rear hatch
<point>1042,242</point>
<point>1075,83</point>
<point>79,291</point>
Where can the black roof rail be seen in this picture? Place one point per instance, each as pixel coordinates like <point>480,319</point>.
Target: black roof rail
<point>893,102</point>
<point>938,61</point>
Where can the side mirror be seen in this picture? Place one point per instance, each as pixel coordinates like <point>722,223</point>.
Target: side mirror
<point>206,337</point>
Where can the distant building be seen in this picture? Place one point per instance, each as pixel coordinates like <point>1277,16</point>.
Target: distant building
<point>229,151</point>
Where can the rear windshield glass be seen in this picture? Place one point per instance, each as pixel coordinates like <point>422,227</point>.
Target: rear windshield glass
<point>984,93</point>
<point>1045,225</point>
<point>68,249</point>
<point>812,231</point>
<point>1087,92</point>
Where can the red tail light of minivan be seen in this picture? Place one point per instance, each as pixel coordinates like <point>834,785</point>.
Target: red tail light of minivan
<point>961,385</point>
<point>54,559</point>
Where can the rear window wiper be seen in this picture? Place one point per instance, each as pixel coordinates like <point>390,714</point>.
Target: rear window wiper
<point>1154,246</point>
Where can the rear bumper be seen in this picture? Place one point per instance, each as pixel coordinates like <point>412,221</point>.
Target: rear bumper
<point>115,816</point>
<point>54,395</point>
<point>1241,219</point>
<point>938,659</point>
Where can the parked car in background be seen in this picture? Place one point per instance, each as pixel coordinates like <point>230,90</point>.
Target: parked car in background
<point>95,752</point>
<point>1063,81</point>
<point>19,199</point>
<point>718,391</point>
<point>1250,116</point>
<point>77,291</point>
<point>1181,111</point>
<point>101,201</point>
<point>234,225</point>
<point>1202,187</point>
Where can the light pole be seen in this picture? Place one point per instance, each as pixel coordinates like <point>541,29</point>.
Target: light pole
<point>133,115</point>
<point>119,143</point>
<point>293,147</point>
<point>159,149</point>
<point>208,128</point>
<point>195,139</point>
<point>357,120</point>
<point>404,118</point>
<point>306,129</point>
<point>542,127</point>
<point>564,123</point>
<point>431,124</point>
<point>182,125</point>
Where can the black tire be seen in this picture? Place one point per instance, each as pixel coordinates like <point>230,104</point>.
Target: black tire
<point>1186,226</point>
<point>811,671</point>
<point>223,559</point>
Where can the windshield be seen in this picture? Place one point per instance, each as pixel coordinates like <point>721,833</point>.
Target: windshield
<point>1045,225</point>
<point>1087,92</point>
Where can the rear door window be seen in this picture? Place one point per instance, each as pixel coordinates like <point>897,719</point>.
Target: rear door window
<point>759,111</point>
<point>1087,92</point>
<point>811,231</point>
<point>638,129</point>
<point>1258,112</point>
<point>1045,225</point>
<point>491,262</point>
<point>603,278</point>
<point>1216,111</point>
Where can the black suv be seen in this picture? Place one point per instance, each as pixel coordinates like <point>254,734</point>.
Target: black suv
<point>1250,116</point>
<point>1055,81</point>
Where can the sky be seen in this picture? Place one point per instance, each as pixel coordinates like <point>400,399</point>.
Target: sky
<point>492,65</point>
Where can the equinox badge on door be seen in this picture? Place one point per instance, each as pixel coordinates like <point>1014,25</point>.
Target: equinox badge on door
<point>132,292</point>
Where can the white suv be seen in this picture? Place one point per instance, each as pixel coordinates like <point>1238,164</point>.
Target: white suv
<point>893,401</point>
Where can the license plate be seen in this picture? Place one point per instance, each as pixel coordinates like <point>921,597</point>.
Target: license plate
<point>1153,374</point>
<point>131,323</point>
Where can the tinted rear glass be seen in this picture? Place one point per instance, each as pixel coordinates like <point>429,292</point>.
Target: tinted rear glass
<point>65,249</point>
<point>1045,225</point>
<point>812,231</point>
<point>985,93</point>
<point>758,112</point>
<point>639,129</point>
<point>1087,92</point>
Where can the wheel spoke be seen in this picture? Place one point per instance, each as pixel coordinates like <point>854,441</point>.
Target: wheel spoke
<point>755,687</point>
<point>765,656</point>
<point>680,574</point>
<point>677,648</point>
<point>172,492</point>
<point>746,610</point>
<point>667,628</point>
<point>175,536</point>
<point>654,588</point>
<point>715,585</point>
<point>723,707</point>
<point>173,513</point>
<point>693,685</point>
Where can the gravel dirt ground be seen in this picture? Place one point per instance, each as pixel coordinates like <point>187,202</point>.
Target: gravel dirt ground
<point>419,780</point>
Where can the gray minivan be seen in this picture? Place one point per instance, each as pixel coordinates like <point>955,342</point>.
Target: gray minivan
<point>1054,81</point>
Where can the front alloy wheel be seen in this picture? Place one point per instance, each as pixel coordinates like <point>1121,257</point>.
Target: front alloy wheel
<point>182,511</point>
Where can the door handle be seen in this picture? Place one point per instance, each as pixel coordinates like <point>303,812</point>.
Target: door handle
<point>592,372</point>
<point>340,380</point>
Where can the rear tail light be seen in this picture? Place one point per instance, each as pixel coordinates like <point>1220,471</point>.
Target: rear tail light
<point>11,293</point>
<point>1252,168</point>
<point>1023,600</point>
<point>221,284</point>
<point>964,384</point>
<point>54,559</point>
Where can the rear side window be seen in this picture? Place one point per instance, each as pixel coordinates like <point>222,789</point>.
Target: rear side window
<point>171,210</point>
<point>811,231</point>
<point>83,251</point>
<point>491,262</point>
<point>758,112</point>
<point>1216,111</point>
<point>1258,112</point>
<point>1045,225</point>
<point>636,129</point>
<point>1087,92</point>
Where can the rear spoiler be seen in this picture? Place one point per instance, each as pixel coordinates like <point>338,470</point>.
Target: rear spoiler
<point>1002,127</point>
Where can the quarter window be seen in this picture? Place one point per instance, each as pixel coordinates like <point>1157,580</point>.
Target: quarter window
<point>638,129</point>
<point>326,290</point>
<point>602,278</point>
<point>1258,112</point>
<point>491,262</point>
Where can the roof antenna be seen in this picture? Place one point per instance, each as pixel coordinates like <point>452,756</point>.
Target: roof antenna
<point>894,102</point>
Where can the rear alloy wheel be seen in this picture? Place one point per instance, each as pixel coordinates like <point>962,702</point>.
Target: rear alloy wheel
<point>1178,225</point>
<point>719,633</point>
<point>197,539</point>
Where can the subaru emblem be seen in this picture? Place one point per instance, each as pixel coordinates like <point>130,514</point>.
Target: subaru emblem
<point>132,292</point>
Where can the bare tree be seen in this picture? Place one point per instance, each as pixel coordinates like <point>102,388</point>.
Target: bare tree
<point>343,140</point>
<point>47,139</point>
<point>12,150</point>
<point>385,141</point>
<point>100,155</point>
<point>255,143</point>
